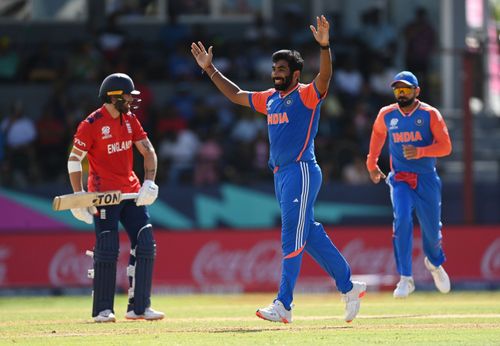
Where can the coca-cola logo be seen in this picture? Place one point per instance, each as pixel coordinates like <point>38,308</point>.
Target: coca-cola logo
<point>69,266</point>
<point>490,263</point>
<point>364,260</point>
<point>380,260</point>
<point>258,264</point>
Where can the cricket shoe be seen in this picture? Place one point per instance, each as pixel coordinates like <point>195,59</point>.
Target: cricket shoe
<point>441,279</point>
<point>352,300</point>
<point>105,316</point>
<point>275,312</point>
<point>148,315</point>
<point>405,287</point>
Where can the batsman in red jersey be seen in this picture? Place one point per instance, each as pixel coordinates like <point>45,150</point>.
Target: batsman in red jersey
<point>106,137</point>
<point>417,136</point>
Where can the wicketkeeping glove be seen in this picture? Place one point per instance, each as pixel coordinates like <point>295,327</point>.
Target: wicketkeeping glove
<point>148,193</point>
<point>84,214</point>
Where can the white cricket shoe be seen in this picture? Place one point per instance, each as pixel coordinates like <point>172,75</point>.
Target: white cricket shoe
<point>405,287</point>
<point>441,279</point>
<point>105,316</point>
<point>352,300</point>
<point>149,315</point>
<point>275,312</point>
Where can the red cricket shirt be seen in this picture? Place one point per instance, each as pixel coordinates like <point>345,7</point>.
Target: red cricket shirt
<point>109,146</point>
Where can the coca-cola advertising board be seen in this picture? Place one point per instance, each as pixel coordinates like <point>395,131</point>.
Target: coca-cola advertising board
<point>242,261</point>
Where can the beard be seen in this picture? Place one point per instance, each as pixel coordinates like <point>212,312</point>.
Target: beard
<point>122,106</point>
<point>284,85</point>
<point>405,103</point>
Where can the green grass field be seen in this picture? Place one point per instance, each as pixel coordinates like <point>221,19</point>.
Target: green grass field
<point>459,318</point>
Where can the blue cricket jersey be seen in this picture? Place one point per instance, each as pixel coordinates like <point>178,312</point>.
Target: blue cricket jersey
<point>292,121</point>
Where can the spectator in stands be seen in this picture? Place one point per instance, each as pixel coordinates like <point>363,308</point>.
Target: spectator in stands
<point>354,173</point>
<point>84,62</point>
<point>173,33</point>
<point>51,144</point>
<point>349,82</point>
<point>177,153</point>
<point>378,37</point>
<point>420,40</point>
<point>111,39</point>
<point>247,127</point>
<point>208,161</point>
<point>20,134</point>
<point>43,65</point>
<point>260,30</point>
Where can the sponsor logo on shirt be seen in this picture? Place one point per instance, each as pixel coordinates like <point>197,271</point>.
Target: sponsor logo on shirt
<point>119,146</point>
<point>106,132</point>
<point>393,125</point>
<point>277,118</point>
<point>407,136</point>
<point>80,143</point>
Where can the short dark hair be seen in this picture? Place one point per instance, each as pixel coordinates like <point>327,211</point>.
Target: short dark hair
<point>295,61</point>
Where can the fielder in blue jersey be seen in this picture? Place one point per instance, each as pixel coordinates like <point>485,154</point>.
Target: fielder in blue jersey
<point>417,136</point>
<point>292,111</point>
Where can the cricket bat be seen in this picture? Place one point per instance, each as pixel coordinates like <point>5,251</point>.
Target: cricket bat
<point>90,199</point>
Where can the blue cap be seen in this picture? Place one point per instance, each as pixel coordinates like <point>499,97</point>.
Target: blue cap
<point>406,77</point>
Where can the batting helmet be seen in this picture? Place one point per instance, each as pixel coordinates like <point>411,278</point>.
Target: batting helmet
<point>116,84</point>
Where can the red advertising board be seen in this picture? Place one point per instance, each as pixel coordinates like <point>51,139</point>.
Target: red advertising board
<point>241,261</point>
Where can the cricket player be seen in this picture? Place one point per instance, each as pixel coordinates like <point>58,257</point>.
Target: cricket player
<point>292,110</point>
<point>417,136</point>
<point>106,137</point>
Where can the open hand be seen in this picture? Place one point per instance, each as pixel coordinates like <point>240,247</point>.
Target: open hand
<point>203,58</point>
<point>321,31</point>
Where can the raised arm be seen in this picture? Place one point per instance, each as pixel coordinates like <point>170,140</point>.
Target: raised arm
<point>322,36</point>
<point>226,86</point>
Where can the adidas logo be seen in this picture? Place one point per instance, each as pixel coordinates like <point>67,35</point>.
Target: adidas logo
<point>296,200</point>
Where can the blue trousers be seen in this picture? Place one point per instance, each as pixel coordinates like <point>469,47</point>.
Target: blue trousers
<point>426,201</point>
<point>296,187</point>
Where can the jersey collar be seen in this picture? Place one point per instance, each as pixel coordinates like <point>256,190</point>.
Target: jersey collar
<point>409,114</point>
<point>104,112</point>
<point>283,94</point>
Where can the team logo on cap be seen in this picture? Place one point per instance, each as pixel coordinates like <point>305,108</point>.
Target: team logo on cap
<point>106,132</point>
<point>419,121</point>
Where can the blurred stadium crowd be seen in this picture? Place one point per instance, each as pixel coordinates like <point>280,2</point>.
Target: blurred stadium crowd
<point>199,136</point>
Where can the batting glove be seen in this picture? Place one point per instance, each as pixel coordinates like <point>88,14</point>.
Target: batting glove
<point>148,193</point>
<point>84,214</point>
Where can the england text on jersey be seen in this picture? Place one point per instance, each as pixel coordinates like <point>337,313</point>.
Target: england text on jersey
<point>119,146</point>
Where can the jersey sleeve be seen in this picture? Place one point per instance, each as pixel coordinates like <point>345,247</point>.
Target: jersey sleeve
<point>138,132</point>
<point>310,95</point>
<point>258,100</point>
<point>377,140</point>
<point>442,142</point>
<point>83,138</point>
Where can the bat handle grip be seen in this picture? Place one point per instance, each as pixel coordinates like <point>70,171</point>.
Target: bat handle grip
<point>125,196</point>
